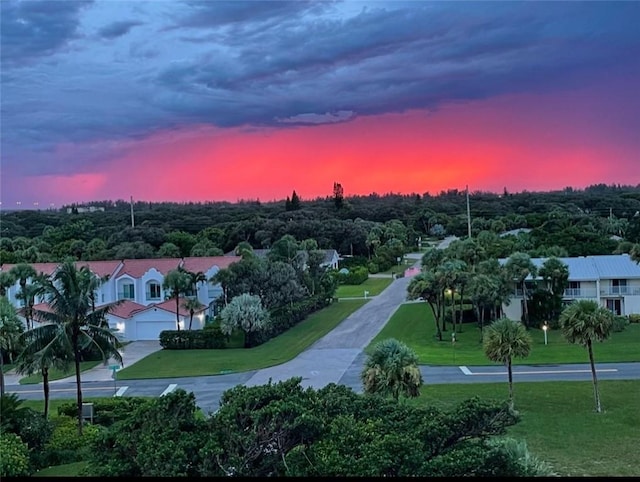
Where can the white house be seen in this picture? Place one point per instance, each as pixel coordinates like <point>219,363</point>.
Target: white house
<point>147,309</point>
<point>611,280</point>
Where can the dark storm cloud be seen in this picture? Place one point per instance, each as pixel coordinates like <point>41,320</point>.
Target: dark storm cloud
<point>281,63</point>
<point>117,29</point>
<point>35,28</point>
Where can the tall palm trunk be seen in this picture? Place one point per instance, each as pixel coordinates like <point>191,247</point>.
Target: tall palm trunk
<point>436,319</point>
<point>1,373</point>
<point>510,372</point>
<point>190,319</point>
<point>453,311</point>
<point>461,308</point>
<point>525,308</point>
<point>178,311</point>
<point>45,387</point>
<point>596,392</point>
<point>444,322</point>
<point>76,355</point>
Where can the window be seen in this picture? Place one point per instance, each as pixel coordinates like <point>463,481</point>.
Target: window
<point>618,286</point>
<point>128,292</point>
<point>154,291</point>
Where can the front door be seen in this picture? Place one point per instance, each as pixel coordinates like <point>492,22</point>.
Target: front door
<point>615,306</point>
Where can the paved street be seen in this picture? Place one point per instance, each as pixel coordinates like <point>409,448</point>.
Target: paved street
<point>337,357</point>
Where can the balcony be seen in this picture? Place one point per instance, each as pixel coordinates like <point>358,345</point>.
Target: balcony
<point>620,290</point>
<point>152,296</point>
<point>579,293</point>
<point>125,296</point>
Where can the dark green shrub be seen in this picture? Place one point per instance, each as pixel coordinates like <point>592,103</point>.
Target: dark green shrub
<point>355,276</point>
<point>14,456</point>
<point>106,411</point>
<point>35,431</point>
<point>11,412</point>
<point>209,338</point>
<point>619,323</point>
<point>66,446</point>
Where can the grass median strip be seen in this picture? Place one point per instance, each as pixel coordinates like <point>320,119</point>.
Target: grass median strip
<point>413,324</point>
<point>56,374</point>
<point>186,363</point>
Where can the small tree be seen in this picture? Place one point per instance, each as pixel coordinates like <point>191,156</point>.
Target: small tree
<point>584,322</point>
<point>244,312</point>
<point>192,305</point>
<point>10,330</point>
<point>505,340</point>
<point>177,281</point>
<point>392,369</point>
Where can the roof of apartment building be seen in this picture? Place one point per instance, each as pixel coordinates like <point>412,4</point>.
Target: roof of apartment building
<point>591,268</point>
<point>41,268</point>
<point>101,268</point>
<point>126,309</point>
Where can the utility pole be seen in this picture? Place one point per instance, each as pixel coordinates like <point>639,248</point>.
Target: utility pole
<point>132,221</point>
<point>468,214</point>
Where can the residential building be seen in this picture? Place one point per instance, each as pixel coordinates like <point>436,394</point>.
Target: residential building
<point>611,280</point>
<point>147,308</point>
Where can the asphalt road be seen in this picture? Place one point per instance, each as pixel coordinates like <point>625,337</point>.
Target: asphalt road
<point>209,389</point>
<point>337,357</point>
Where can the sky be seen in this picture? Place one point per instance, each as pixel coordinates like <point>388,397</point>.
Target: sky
<point>226,101</point>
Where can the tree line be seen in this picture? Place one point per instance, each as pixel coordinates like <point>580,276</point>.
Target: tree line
<point>597,220</point>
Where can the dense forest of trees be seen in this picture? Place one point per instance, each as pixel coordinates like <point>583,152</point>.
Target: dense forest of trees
<point>569,222</point>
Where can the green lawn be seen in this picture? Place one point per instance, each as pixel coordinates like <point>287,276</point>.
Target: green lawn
<point>560,425</point>
<point>186,363</point>
<point>55,374</point>
<point>413,324</point>
<point>66,470</point>
<point>373,285</point>
<point>397,268</point>
<point>54,403</point>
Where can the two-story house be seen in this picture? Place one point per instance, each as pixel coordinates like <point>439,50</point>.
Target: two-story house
<point>611,280</point>
<point>145,307</point>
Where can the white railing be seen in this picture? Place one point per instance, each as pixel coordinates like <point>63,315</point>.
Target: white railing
<point>579,293</point>
<point>620,290</point>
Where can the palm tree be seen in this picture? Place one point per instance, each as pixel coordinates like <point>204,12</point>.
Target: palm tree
<point>519,266</point>
<point>635,253</point>
<point>583,322</point>
<point>10,330</point>
<point>6,281</point>
<point>28,295</point>
<point>505,340</point>
<point>22,272</point>
<point>177,281</point>
<point>392,369</point>
<point>427,286</point>
<point>192,305</point>
<point>50,356</point>
<point>71,321</point>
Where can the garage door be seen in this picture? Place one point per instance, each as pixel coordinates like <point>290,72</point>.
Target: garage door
<point>150,330</point>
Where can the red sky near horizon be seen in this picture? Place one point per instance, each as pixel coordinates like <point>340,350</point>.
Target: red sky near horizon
<point>521,142</point>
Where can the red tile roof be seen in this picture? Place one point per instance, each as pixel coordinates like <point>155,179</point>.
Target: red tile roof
<point>127,309</point>
<point>101,268</point>
<point>170,305</point>
<point>136,268</point>
<point>204,263</point>
<point>45,268</point>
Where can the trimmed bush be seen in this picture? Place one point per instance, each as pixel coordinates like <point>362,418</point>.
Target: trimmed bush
<point>193,339</point>
<point>634,318</point>
<point>14,456</point>
<point>619,323</point>
<point>106,411</point>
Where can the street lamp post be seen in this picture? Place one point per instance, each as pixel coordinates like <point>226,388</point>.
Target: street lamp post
<point>545,328</point>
